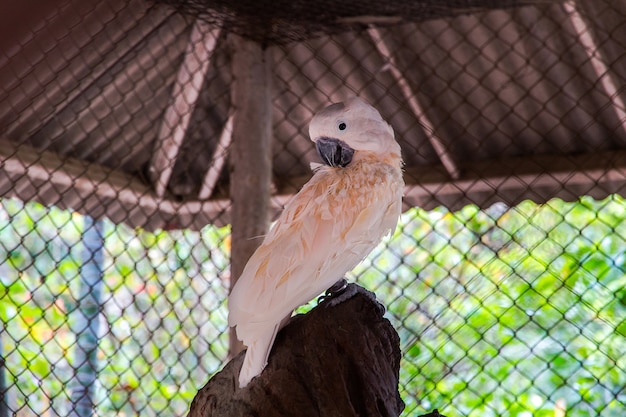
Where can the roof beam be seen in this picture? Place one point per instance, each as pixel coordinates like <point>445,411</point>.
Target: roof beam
<point>185,93</point>
<point>538,178</point>
<point>217,161</point>
<point>31,174</point>
<point>43,176</point>
<point>37,166</point>
<point>440,148</point>
<point>602,70</point>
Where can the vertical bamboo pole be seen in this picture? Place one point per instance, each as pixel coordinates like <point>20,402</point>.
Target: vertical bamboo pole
<point>250,155</point>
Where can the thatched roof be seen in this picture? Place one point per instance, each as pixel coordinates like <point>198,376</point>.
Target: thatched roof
<point>121,108</point>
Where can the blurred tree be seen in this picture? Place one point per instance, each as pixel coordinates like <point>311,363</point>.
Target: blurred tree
<point>511,311</point>
<point>85,319</point>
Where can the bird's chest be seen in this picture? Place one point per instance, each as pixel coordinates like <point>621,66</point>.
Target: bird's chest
<point>353,190</point>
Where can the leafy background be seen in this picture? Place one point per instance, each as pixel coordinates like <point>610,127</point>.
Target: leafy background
<point>515,311</point>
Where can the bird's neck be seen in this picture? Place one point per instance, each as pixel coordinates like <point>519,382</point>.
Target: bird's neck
<point>366,157</point>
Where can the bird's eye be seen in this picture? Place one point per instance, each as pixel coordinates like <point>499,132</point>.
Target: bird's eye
<point>342,126</point>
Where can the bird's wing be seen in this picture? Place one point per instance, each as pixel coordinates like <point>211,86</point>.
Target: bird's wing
<point>314,243</point>
<point>304,227</point>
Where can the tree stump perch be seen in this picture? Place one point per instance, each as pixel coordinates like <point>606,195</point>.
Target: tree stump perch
<point>340,360</point>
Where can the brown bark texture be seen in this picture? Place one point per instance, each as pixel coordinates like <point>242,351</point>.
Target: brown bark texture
<point>340,360</point>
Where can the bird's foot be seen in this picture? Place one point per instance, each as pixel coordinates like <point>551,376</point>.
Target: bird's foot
<point>334,291</point>
<point>342,291</point>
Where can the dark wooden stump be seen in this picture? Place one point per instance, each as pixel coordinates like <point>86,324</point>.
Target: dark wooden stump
<point>333,361</point>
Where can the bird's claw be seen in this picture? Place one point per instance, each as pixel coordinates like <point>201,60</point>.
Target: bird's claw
<point>342,291</point>
<point>334,291</point>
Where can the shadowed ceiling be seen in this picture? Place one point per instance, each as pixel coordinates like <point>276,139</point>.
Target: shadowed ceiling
<point>122,108</point>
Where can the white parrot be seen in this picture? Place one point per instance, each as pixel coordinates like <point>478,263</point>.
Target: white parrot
<point>325,230</point>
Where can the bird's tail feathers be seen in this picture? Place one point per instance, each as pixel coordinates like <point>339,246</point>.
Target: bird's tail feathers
<point>256,357</point>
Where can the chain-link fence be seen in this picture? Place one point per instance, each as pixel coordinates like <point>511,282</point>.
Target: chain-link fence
<point>505,278</point>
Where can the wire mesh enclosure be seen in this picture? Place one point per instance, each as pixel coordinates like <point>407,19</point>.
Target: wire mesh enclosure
<point>505,277</point>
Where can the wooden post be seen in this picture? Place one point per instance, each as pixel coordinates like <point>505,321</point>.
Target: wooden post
<point>250,155</point>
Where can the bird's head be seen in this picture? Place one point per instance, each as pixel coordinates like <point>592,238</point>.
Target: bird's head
<point>344,130</point>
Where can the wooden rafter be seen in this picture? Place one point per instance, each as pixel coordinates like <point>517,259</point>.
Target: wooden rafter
<point>217,161</point>
<point>538,178</point>
<point>510,180</point>
<point>185,93</point>
<point>439,146</point>
<point>602,70</point>
<point>28,167</point>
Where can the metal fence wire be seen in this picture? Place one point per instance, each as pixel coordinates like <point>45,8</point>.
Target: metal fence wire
<point>506,276</point>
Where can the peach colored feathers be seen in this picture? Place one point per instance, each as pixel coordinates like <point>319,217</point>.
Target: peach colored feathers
<point>334,222</point>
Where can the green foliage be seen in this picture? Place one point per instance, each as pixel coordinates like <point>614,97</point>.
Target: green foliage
<point>163,303</point>
<point>513,312</point>
<point>505,311</point>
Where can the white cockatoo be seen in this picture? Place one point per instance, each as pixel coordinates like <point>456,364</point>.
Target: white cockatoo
<point>337,218</point>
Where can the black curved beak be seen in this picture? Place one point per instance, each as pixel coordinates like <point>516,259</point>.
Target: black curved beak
<point>334,152</point>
